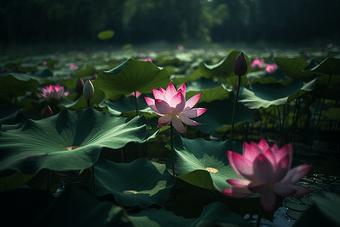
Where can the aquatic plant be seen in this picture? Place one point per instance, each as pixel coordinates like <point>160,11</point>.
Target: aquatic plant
<point>54,91</point>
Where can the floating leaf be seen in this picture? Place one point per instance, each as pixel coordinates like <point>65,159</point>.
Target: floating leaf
<point>13,87</point>
<point>139,183</point>
<point>330,66</point>
<point>203,155</point>
<point>131,76</point>
<point>81,103</point>
<point>219,113</point>
<point>70,140</point>
<point>14,181</point>
<point>212,214</point>
<point>108,34</point>
<point>294,67</point>
<point>265,95</point>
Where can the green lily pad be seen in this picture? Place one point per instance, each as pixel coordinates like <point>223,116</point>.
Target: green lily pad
<point>210,95</point>
<point>330,66</point>
<point>201,84</point>
<point>70,140</point>
<point>139,183</point>
<point>225,68</point>
<point>214,214</point>
<point>332,114</point>
<point>203,155</point>
<point>87,71</point>
<point>127,104</point>
<point>10,86</point>
<point>131,76</point>
<point>264,77</point>
<point>294,67</point>
<point>81,103</point>
<point>265,95</point>
<point>108,34</point>
<point>219,113</point>
<point>328,204</point>
<point>72,207</point>
<point>8,113</point>
<point>14,181</point>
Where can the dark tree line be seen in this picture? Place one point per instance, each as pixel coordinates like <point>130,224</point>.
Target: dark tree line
<point>136,21</point>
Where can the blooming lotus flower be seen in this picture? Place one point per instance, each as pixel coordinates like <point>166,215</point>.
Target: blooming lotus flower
<point>73,66</point>
<point>266,170</point>
<point>148,59</point>
<point>271,68</point>
<point>54,91</point>
<point>173,108</point>
<point>240,65</point>
<point>44,63</point>
<point>257,63</point>
<point>180,47</point>
<point>137,94</point>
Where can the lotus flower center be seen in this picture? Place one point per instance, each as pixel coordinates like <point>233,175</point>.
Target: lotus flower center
<point>70,148</point>
<point>130,192</point>
<point>211,169</point>
<point>270,186</point>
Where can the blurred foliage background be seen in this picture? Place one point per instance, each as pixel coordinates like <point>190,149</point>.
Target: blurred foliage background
<point>140,21</point>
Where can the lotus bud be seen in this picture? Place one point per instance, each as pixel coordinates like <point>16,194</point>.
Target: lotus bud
<point>46,112</point>
<point>88,90</point>
<point>80,86</point>
<point>240,65</point>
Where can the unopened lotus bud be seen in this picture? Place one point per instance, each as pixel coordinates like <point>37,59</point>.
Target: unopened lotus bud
<point>88,90</point>
<point>80,86</point>
<point>46,112</point>
<point>240,65</point>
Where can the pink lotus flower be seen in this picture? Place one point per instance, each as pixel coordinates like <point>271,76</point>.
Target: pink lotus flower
<point>180,47</point>
<point>173,108</point>
<point>138,94</point>
<point>148,59</point>
<point>44,63</point>
<point>54,91</point>
<point>266,170</point>
<point>73,66</point>
<point>271,68</point>
<point>257,63</point>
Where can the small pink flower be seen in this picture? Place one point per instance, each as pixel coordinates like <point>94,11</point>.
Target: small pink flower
<point>266,170</point>
<point>180,47</point>
<point>75,52</point>
<point>330,45</point>
<point>271,68</point>
<point>73,66</point>
<point>54,91</point>
<point>257,63</point>
<point>44,63</point>
<point>138,94</point>
<point>140,55</point>
<point>148,59</point>
<point>173,108</point>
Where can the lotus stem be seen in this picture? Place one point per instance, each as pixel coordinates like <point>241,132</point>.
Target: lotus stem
<point>88,103</point>
<point>48,180</point>
<point>136,103</point>
<point>233,120</point>
<point>323,102</point>
<point>259,216</point>
<point>172,150</point>
<point>93,183</point>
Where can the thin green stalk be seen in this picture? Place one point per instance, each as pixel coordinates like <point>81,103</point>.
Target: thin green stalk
<point>88,103</point>
<point>172,150</point>
<point>48,180</point>
<point>234,107</point>
<point>93,183</point>
<point>136,103</point>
